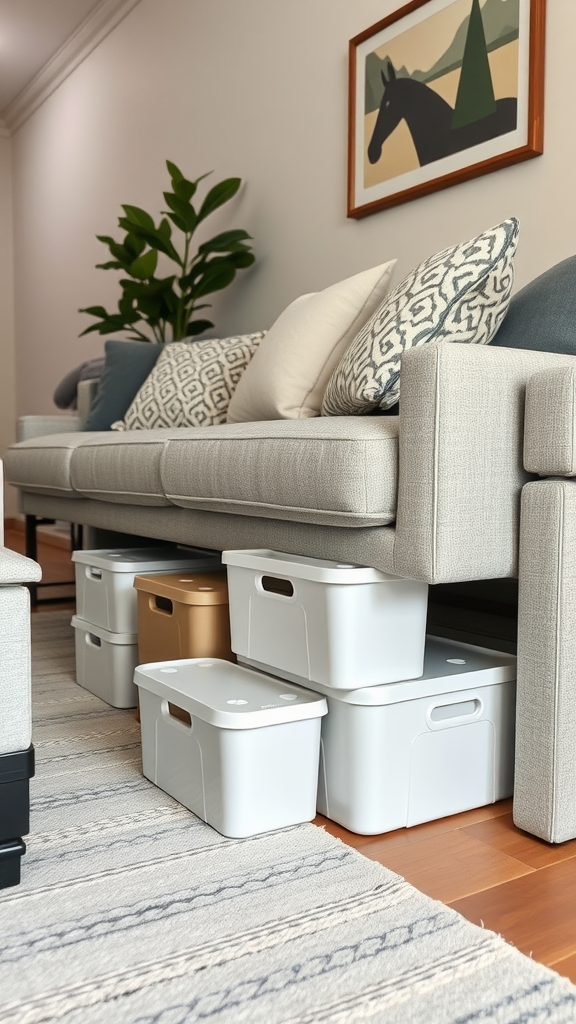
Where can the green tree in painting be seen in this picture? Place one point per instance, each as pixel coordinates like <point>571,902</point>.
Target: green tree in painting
<point>475,98</point>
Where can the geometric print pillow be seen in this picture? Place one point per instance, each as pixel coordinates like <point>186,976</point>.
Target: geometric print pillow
<point>461,294</point>
<point>191,384</point>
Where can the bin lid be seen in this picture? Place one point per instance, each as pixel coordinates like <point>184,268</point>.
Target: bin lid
<point>304,568</point>
<point>449,667</point>
<point>103,634</point>
<point>229,696</point>
<point>199,588</point>
<point>147,559</point>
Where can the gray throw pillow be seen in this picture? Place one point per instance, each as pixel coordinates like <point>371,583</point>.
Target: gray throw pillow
<point>542,316</point>
<point>128,364</point>
<point>65,395</point>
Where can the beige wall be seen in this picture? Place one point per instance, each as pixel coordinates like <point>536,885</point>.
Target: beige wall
<point>7,368</point>
<point>254,88</point>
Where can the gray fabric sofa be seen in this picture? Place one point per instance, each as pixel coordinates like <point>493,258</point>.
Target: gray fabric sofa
<point>433,494</point>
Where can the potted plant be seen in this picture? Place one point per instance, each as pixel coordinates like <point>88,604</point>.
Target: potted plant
<point>164,308</point>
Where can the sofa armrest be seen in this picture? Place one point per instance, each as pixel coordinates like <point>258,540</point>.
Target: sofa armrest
<point>29,427</point>
<point>16,569</point>
<point>549,441</point>
<point>460,459</point>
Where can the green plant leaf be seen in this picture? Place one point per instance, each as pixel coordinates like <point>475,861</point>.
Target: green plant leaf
<point>197,327</point>
<point>134,244</point>
<point>215,278</point>
<point>145,266</point>
<point>164,230</point>
<point>94,311</point>
<point>217,196</point>
<point>151,306</point>
<point>156,239</point>
<point>184,210</point>
<point>156,286</point>
<point>117,250</point>
<point>138,217</point>
<point>241,260</point>
<point>111,265</point>
<point>184,189</point>
<point>178,222</point>
<point>224,241</point>
<point>174,172</point>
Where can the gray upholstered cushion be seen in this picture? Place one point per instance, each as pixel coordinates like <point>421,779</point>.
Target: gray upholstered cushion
<point>43,464</point>
<point>545,777</point>
<point>543,314</point>
<point>550,422</point>
<point>15,696</point>
<point>341,471</point>
<point>123,467</point>
<point>16,568</point>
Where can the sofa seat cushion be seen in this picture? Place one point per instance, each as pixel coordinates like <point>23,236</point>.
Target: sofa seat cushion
<point>123,467</point>
<point>340,471</point>
<point>43,465</point>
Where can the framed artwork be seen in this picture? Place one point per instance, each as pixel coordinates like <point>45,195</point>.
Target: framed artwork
<point>442,91</point>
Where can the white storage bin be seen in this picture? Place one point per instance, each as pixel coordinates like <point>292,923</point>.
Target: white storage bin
<point>413,751</point>
<point>310,620</point>
<point>248,760</point>
<point>105,663</point>
<point>105,594</point>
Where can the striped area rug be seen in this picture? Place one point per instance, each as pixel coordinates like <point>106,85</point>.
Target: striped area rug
<point>132,911</point>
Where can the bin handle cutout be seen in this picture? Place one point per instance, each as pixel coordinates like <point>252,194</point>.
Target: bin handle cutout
<point>161,604</point>
<point>444,716</point>
<point>176,714</point>
<point>276,585</point>
<point>93,641</point>
<point>93,573</point>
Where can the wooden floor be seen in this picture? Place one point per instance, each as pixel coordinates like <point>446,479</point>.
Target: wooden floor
<point>476,862</point>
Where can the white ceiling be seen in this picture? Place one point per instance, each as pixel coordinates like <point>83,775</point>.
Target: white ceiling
<point>31,32</point>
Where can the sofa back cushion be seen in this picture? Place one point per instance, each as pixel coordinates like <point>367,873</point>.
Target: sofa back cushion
<point>191,384</point>
<point>459,294</point>
<point>542,316</point>
<point>288,375</point>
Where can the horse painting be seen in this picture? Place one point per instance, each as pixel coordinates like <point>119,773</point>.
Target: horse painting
<point>429,119</point>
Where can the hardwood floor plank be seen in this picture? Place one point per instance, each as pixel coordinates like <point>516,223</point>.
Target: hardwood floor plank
<point>566,967</point>
<point>448,866</point>
<point>535,912</point>
<point>405,836</point>
<point>502,834</point>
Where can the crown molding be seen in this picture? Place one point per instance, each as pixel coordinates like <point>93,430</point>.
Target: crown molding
<point>89,34</point>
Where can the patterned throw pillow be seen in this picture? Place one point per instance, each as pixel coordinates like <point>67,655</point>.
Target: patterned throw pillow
<point>191,384</point>
<point>460,294</point>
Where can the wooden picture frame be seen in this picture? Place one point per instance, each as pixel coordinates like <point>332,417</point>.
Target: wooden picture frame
<point>442,91</point>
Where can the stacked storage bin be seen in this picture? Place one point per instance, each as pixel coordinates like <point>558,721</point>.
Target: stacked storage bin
<point>106,614</point>
<point>414,731</point>
<point>246,760</point>
<point>417,728</point>
<point>183,615</point>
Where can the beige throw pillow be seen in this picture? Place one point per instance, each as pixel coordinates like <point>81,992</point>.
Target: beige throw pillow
<point>288,375</point>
